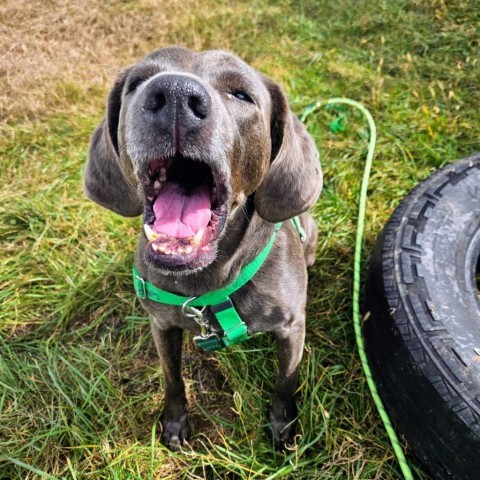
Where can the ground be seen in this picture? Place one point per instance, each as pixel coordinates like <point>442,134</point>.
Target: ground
<point>81,387</point>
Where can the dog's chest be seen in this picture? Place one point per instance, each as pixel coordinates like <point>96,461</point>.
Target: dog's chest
<point>259,308</point>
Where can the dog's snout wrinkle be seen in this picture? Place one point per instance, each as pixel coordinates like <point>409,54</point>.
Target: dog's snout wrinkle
<point>177,103</point>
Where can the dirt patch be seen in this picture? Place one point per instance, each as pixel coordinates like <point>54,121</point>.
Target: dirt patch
<point>61,53</point>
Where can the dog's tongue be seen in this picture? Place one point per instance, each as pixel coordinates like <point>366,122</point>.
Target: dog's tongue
<point>179,214</point>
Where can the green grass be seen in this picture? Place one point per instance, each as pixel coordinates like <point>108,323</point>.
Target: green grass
<point>80,387</point>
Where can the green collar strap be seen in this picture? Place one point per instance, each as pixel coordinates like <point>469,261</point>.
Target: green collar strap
<point>219,302</point>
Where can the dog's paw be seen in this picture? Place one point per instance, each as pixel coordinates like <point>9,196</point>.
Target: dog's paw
<point>175,432</point>
<point>283,432</point>
<point>283,426</point>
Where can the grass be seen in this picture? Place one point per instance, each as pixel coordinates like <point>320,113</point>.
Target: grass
<point>80,387</point>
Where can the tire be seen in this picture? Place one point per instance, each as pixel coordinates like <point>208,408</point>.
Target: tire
<point>422,320</point>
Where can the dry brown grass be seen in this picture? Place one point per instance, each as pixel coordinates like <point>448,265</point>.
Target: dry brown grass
<point>57,52</point>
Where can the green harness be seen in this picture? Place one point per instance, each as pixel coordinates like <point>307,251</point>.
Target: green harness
<point>218,301</point>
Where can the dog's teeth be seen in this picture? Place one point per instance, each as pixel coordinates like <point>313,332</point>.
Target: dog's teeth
<point>161,248</point>
<point>151,235</point>
<point>197,238</point>
<point>155,247</point>
<point>163,171</point>
<point>168,251</point>
<point>157,185</point>
<point>188,249</point>
<point>181,250</point>
<point>162,178</point>
<point>150,199</point>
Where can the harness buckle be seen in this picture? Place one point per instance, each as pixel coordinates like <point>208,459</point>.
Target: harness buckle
<point>208,336</point>
<point>141,288</point>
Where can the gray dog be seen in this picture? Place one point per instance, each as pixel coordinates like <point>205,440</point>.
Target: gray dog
<point>209,151</point>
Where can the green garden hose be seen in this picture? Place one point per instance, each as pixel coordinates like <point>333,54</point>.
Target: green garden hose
<point>356,274</point>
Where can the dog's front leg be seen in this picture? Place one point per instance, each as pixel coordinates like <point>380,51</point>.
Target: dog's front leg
<point>283,410</point>
<point>175,427</point>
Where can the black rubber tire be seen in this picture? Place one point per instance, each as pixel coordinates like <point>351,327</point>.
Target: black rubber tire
<point>422,320</point>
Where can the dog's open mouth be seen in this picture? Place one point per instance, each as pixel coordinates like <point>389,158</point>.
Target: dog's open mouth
<point>185,211</point>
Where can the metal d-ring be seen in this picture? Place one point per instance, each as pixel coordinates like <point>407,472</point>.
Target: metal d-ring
<point>197,315</point>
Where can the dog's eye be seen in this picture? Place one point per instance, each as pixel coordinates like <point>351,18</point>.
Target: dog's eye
<point>241,95</point>
<point>134,84</point>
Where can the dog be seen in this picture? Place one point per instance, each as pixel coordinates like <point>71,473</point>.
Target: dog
<point>208,150</point>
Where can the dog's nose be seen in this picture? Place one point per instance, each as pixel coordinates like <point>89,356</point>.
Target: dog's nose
<point>177,100</point>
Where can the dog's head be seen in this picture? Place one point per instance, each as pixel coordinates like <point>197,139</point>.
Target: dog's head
<point>187,138</point>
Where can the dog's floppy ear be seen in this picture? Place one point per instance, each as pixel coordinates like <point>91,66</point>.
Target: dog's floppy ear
<point>105,182</point>
<point>294,180</point>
